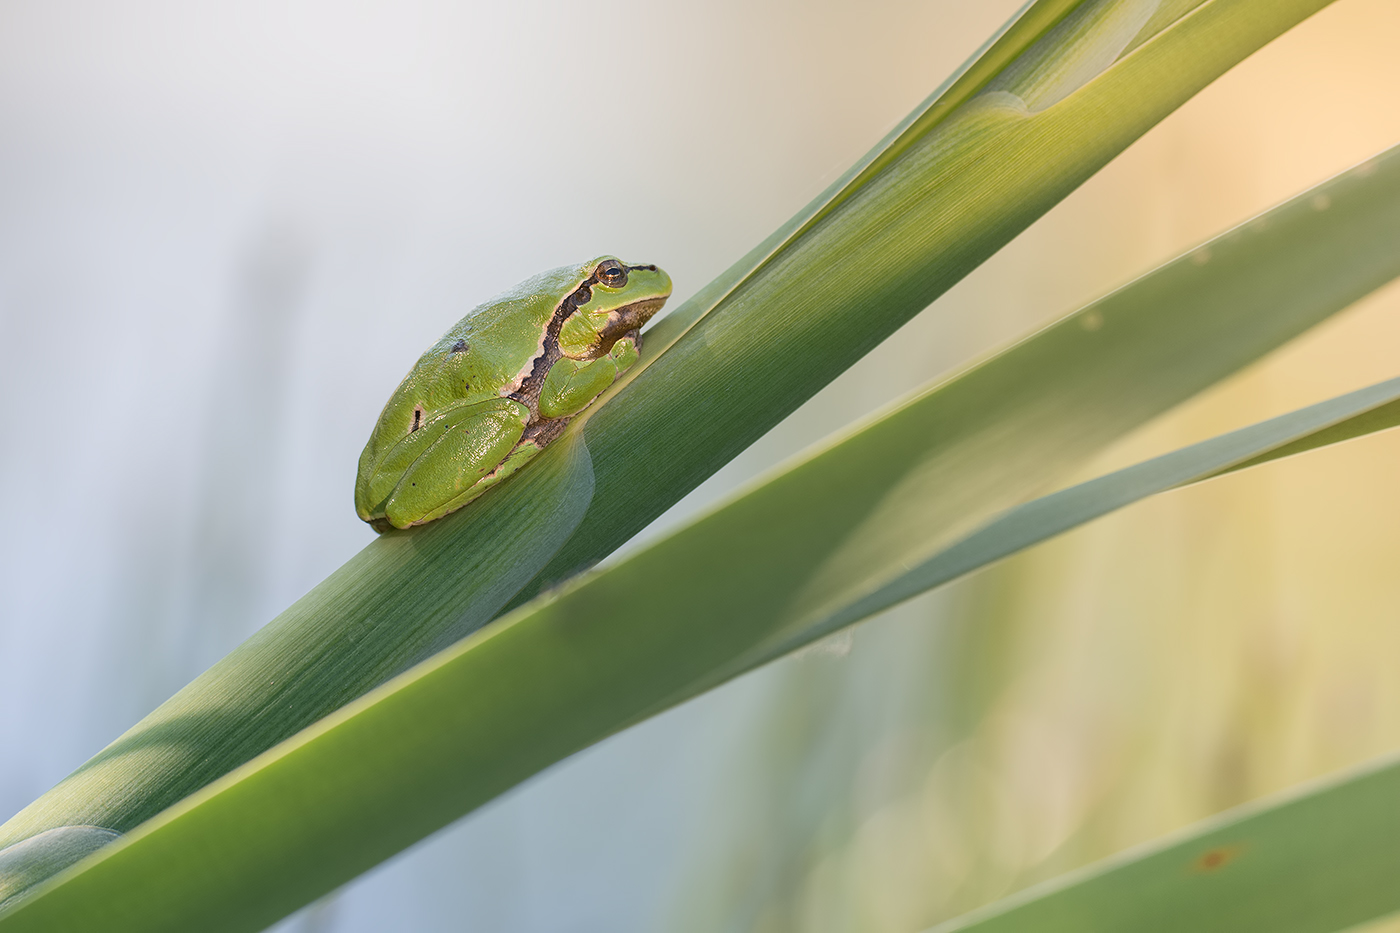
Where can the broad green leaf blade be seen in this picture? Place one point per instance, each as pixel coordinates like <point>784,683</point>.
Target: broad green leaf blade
<point>564,672</point>
<point>1320,859</point>
<point>903,235</point>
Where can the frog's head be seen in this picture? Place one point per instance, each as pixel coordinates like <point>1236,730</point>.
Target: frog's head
<point>615,299</point>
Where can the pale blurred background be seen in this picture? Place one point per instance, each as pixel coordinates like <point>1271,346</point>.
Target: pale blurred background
<point>227,229</point>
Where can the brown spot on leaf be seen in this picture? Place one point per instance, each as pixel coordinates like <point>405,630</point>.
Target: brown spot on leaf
<point>1217,858</point>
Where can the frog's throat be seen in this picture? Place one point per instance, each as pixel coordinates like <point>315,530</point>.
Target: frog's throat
<point>623,321</point>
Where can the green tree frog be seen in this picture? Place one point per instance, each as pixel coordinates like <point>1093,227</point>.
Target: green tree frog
<point>500,385</point>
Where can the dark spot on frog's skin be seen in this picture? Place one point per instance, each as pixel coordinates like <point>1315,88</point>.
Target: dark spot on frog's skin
<point>417,418</point>
<point>459,347</point>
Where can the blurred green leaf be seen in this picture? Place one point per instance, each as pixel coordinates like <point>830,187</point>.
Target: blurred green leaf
<point>1322,858</point>
<point>657,628</point>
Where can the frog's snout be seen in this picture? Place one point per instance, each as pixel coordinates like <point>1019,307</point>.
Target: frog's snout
<point>652,280</point>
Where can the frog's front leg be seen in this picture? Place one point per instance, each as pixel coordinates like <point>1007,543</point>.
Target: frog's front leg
<point>573,384</point>
<point>451,468</point>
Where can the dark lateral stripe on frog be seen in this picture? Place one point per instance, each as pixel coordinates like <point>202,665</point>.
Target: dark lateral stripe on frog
<point>529,392</point>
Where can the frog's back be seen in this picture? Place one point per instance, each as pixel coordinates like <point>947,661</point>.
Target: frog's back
<point>495,346</point>
<point>485,355</point>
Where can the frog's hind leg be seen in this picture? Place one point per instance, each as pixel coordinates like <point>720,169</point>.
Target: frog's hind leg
<point>448,473</point>
<point>517,458</point>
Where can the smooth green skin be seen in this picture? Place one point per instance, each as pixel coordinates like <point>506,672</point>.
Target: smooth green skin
<point>499,386</point>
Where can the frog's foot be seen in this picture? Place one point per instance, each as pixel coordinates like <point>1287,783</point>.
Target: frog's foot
<point>480,438</point>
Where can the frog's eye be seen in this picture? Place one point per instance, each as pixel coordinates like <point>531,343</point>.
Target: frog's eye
<point>612,273</point>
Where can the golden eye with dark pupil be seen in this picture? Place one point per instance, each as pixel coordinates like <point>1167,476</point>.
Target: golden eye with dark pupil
<point>612,274</point>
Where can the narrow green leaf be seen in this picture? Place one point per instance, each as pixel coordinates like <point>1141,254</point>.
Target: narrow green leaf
<point>572,668</point>
<point>905,232</point>
<point>1375,408</point>
<point>1321,858</point>
<point>1377,419</point>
